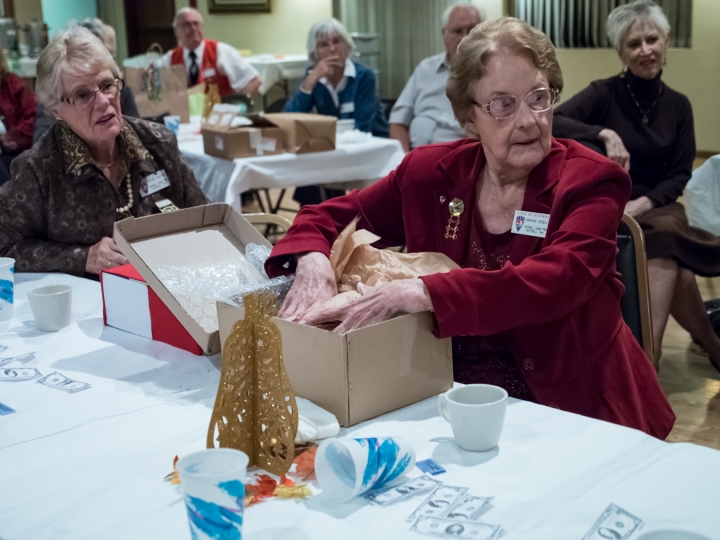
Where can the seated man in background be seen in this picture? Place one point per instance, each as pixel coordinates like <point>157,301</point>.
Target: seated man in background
<point>106,34</point>
<point>209,61</point>
<point>422,114</point>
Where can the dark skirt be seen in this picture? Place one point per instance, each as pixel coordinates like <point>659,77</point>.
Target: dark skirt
<point>668,234</point>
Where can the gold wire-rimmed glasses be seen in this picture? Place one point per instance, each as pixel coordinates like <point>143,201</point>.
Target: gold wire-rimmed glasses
<point>503,107</point>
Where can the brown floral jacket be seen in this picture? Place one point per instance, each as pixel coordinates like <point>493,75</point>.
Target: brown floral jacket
<point>58,203</point>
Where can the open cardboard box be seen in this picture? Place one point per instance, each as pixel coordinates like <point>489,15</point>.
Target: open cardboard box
<point>192,237</point>
<point>363,373</point>
<point>305,133</point>
<point>260,138</point>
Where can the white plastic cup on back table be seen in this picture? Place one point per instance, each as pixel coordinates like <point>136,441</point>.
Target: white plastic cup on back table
<point>213,484</point>
<point>476,413</point>
<point>7,287</point>
<point>347,468</point>
<point>51,306</point>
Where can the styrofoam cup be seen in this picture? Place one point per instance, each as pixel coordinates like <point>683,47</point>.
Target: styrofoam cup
<point>476,413</point>
<point>213,483</point>
<point>51,306</point>
<point>347,468</point>
<point>7,287</point>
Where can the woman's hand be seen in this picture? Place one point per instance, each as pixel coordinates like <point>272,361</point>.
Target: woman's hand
<point>323,68</point>
<point>614,148</point>
<point>314,284</point>
<point>377,304</point>
<point>637,207</point>
<point>103,255</point>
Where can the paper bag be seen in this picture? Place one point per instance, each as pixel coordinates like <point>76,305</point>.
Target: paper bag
<point>159,90</point>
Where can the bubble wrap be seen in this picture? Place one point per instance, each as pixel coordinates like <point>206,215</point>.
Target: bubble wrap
<point>197,289</point>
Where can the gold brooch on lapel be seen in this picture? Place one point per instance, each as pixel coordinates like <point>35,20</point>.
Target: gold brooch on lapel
<point>456,208</point>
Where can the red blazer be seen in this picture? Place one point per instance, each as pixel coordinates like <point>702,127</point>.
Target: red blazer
<point>557,299</point>
<point>208,65</point>
<point>18,107</point>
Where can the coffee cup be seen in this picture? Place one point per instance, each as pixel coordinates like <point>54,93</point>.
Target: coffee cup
<point>476,413</point>
<point>7,287</point>
<point>51,306</point>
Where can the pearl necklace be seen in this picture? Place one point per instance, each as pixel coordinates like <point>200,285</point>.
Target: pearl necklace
<point>129,205</point>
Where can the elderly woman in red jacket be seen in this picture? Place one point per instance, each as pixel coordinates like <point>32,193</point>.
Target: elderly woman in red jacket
<point>532,222</point>
<point>17,114</point>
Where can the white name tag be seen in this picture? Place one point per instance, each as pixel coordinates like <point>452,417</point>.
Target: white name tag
<point>154,183</point>
<point>207,73</point>
<point>530,223</point>
<point>347,107</point>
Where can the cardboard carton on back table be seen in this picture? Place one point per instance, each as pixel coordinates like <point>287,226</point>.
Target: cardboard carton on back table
<point>221,139</point>
<point>356,376</point>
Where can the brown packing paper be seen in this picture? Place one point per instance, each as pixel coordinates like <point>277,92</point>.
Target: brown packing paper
<point>255,409</point>
<point>305,133</point>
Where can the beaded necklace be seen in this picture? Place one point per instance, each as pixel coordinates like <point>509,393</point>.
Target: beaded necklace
<point>129,205</point>
<point>637,103</point>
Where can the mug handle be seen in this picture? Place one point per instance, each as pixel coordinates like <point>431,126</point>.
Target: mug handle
<point>442,407</point>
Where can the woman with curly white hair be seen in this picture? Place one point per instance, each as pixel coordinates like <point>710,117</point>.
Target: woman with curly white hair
<point>647,127</point>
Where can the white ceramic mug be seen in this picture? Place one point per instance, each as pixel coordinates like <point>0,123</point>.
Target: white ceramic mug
<point>51,306</point>
<point>476,413</point>
<point>347,468</point>
<point>7,287</point>
<point>213,482</point>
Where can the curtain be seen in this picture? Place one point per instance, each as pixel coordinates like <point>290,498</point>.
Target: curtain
<point>408,30</point>
<point>581,23</point>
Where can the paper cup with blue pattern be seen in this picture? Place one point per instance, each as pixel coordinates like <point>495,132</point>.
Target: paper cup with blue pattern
<point>213,482</point>
<point>347,468</point>
<point>7,287</point>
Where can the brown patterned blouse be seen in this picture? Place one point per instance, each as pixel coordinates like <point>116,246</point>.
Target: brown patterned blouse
<point>488,359</point>
<point>58,203</point>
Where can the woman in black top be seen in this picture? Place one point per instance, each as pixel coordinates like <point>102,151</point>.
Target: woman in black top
<point>645,126</point>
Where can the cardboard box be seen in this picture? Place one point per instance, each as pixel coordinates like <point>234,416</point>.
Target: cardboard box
<point>260,138</point>
<point>366,372</point>
<point>130,305</point>
<point>305,133</point>
<point>197,236</point>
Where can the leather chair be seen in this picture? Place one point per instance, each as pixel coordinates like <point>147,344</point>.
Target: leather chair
<point>631,262</point>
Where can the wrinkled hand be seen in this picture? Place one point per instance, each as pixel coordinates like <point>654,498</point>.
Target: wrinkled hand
<point>103,255</point>
<point>314,284</point>
<point>323,68</point>
<point>377,304</point>
<point>614,148</point>
<point>637,207</point>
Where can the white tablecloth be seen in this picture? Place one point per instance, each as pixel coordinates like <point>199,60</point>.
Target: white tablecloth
<point>90,465</point>
<point>357,165</point>
<point>274,69</point>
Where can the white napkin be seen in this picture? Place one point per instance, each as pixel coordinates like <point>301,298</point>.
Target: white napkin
<point>314,422</point>
<point>353,137</point>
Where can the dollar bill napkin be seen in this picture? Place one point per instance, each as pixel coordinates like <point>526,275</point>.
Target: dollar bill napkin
<point>469,508</point>
<point>448,528</point>
<point>439,502</point>
<point>408,489</point>
<point>61,382</point>
<point>19,374</point>
<point>614,523</point>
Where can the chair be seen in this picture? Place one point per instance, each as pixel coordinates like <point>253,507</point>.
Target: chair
<point>631,262</point>
<point>239,99</point>
<point>276,106</point>
<point>270,221</point>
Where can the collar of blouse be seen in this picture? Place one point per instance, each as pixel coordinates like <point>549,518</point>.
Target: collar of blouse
<point>76,154</point>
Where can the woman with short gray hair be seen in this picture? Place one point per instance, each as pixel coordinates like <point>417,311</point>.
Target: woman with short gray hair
<point>93,168</point>
<point>334,85</point>
<point>647,127</point>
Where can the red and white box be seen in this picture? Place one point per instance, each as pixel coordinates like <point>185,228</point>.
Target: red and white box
<point>130,304</point>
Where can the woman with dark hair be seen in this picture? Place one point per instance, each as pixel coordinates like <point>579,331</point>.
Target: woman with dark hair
<point>647,127</point>
<point>17,117</point>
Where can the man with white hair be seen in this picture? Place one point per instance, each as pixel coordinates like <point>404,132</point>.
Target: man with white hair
<point>422,114</point>
<point>209,61</point>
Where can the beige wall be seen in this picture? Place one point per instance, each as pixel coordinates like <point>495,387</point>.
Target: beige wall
<point>283,31</point>
<point>27,10</point>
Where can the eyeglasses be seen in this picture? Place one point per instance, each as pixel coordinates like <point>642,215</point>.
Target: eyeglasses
<point>84,96</point>
<point>502,107</point>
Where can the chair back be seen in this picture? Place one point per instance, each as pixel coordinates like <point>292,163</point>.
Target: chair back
<point>631,263</point>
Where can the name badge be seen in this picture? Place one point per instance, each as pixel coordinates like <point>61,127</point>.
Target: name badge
<point>154,183</point>
<point>207,73</point>
<point>347,107</point>
<point>530,223</point>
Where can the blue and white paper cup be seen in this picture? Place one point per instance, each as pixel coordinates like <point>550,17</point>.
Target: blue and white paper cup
<point>7,287</point>
<point>213,482</point>
<point>347,468</point>
<point>172,122</point>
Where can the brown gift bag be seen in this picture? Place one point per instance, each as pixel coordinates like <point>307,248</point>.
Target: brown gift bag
<point>158,89</point>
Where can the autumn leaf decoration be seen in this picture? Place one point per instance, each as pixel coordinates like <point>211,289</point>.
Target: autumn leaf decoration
<point>174,476</point>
